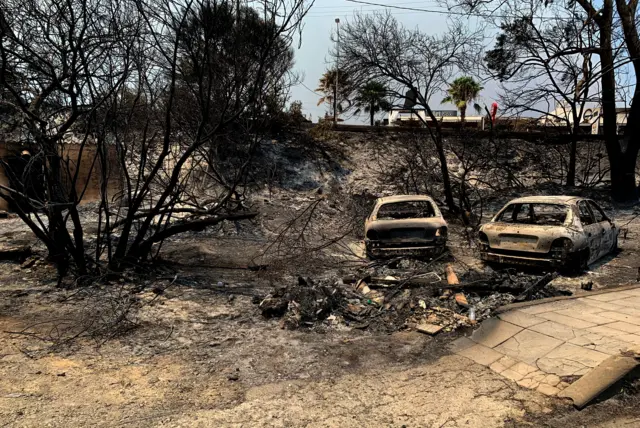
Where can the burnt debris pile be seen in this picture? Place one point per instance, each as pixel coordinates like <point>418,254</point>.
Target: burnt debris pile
<point>430,297</point>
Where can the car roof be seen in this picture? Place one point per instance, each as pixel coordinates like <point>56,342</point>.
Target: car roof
<point>404,198</point>
<point>559,199</point>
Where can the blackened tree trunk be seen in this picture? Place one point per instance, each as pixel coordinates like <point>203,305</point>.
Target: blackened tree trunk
<point>622,158</point>
<point>442,157</point>
<point>575,129</point>
<point>626,189</point>
<point>446,180</point>
<point>571,173</point>
<point>623,185</point>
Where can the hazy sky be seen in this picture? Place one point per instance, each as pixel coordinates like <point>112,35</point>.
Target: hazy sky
<point>313,55</point>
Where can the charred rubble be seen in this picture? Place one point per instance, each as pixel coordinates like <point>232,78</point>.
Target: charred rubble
<point>430,297</point>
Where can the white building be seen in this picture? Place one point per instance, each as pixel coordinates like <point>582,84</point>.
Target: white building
<point>448,118</point>
<point>591,120</point>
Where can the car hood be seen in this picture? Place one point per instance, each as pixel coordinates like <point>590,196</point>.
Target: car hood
<point>525,237</point>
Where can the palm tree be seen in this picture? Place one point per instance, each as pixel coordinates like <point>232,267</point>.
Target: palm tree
<point>462,91</point>
<point>372,98</point>
<point>327,87</point>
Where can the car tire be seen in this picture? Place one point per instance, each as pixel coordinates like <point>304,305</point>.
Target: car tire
<point>368,253</point>
<point>439,251</point>
<point>580,262</point>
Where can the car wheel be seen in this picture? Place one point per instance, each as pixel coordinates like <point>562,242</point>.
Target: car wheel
<point>580,262</point>
<point>368,253</point>
<point>438,252</point>
<point>584,262</point>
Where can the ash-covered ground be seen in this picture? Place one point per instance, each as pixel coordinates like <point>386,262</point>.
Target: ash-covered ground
<point>256,322</point>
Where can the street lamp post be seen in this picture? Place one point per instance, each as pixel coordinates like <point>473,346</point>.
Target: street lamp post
<point>335,86</point>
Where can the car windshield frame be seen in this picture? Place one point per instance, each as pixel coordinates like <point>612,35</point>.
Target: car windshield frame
<point>534,217</point>
<point>383,214</point>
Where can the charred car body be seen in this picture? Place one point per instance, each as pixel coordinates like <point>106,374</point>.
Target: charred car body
<point>405,225</point>
<point>553,231</point>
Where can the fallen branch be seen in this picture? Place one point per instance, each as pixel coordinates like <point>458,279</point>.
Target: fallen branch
<point>15,253</point>
<point>196,226</point>
<point>476,286</point>
<point>538,285</point>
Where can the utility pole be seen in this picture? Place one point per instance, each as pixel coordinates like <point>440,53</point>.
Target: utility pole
<point>335,86</point>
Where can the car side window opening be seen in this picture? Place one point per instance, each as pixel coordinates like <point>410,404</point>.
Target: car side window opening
<point>516,213</point>
<point>597,212</point>
<point>507,216</point>
<point>523,215</point>
<point>586,218</point>
<point>406,210</point>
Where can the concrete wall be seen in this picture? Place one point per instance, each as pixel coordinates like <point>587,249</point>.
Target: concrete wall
<point>91,178</point>
<point>6,149</point>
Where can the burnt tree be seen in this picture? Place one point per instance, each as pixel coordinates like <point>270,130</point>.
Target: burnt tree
<point>176,94</point>
<point>546,68</point>
<point>610,28</point>
<point>60,61</point>
<point>411,64</point>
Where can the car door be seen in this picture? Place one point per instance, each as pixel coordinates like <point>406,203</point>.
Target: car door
<point>592,230</point>
<point>608,229</point>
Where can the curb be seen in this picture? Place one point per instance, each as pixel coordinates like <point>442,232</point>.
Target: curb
<point>597,381</point>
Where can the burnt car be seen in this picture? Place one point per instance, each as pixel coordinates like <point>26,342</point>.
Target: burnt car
<point>405,225</point>
<point>551,231</point>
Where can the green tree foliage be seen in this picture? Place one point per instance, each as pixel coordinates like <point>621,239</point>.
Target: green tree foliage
<point>462,91</point>
<point>372,98</point>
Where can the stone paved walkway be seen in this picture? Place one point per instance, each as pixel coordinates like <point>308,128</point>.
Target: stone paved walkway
<point>538,345</point>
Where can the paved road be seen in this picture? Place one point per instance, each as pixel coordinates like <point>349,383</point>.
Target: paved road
<point>538,345</point>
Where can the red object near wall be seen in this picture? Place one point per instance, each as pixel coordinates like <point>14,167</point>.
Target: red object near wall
<point>494,110</point>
